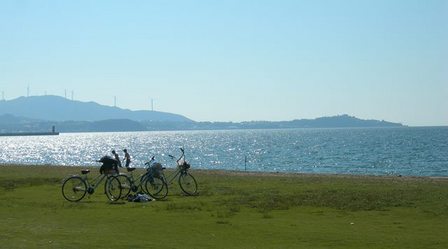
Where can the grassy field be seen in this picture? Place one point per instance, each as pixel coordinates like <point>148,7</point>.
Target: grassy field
<point>232,210</point>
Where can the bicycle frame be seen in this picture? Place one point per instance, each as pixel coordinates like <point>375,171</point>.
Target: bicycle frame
<point>136,182</point>
<point>92,185</point>
<point>171,177</point>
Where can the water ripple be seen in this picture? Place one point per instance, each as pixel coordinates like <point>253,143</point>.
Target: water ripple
<point>391,151</point>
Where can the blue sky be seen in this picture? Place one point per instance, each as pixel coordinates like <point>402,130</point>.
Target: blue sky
<point>234,60</point>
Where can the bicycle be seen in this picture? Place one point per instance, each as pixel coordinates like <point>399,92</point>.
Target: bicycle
<point>75,187</point>
<point>147,182</point>
<point>185,180</point>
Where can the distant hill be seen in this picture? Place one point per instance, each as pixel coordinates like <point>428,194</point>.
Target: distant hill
<point>39,114</point>
<point>55,108</point>
<point>340,121</point>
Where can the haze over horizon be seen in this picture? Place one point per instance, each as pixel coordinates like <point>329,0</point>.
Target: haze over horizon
<point>233,60</point>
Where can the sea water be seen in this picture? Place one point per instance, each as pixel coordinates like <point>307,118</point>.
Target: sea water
<point>408,151</point>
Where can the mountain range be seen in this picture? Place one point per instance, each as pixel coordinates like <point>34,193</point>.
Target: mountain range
<point>55,108</point>
<point>40,113</point>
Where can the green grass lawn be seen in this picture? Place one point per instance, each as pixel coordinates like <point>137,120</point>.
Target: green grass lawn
<point>232,210</point>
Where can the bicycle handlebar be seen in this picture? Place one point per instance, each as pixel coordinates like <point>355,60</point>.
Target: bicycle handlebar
<point>182,155</point>
<point>152,159</point>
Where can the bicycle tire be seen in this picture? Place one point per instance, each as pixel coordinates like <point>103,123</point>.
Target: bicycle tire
<point>141,185</point>
<point>156,187</point>
<point>188,184</point>
<point>74,188</point>
<point>112,188</point>
<point>126,185</point>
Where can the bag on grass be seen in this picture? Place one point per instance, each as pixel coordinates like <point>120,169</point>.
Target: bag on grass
<point>139,198</point>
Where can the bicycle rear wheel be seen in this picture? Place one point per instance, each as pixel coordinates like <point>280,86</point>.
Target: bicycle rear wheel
<point>126,185</point>
<point>112,188</point>
<point>156,187</point>
<point>188,184</point>
<point>74,188</point>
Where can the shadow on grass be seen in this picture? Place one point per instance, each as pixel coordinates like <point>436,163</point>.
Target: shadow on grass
<point>185,206</point>
<point>11,184</point>
<point>345,199</point>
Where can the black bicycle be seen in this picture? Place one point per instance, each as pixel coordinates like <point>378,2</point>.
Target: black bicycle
<point>75,187</point>
<point>184,178</point>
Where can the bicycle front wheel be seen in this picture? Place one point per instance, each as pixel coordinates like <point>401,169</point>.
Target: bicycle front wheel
<point>126,185</point>
<point>74,188</point>
<point>156,187</point>
<point>112,188</point>
<point>188,184</point>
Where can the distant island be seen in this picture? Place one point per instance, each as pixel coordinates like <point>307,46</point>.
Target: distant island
<point>41,113</point>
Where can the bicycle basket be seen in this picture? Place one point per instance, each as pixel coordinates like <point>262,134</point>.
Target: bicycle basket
<point>184,166</point>
<point>156,170</point>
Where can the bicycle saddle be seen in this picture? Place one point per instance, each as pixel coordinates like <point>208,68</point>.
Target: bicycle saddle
<point>85,171</point>
<point>130,169</point>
